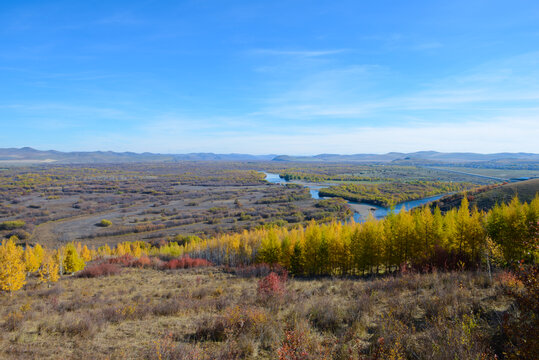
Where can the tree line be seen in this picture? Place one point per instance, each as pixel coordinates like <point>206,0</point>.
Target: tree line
<point>421,238</point>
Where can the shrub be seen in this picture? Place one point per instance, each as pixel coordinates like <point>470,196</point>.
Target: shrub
<point>272,285</point>
<point>235,322</point>
<point>508,280</point>
<point>13,321</point>
<point>104,223</point>
<point>142,262</point>
<point>124,260</point>
<point>116,314</point>
<point>165,349</point>
<point>98,270</point>
<point>326,315</point>
<point>157,263</point>
<point>298,345</point>
<point>522,327</point>
<point>83,326</point>
<point>186,262</point>
<point>10,225</point>
<point>167,308</point>
<point>213,329</point>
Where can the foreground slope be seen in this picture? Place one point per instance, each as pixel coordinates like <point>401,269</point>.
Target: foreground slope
<point>206,313</point>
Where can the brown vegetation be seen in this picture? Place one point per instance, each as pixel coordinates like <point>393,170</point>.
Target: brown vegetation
<point>209,314</point>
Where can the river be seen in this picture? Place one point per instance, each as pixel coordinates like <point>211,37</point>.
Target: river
<point>361,209</point>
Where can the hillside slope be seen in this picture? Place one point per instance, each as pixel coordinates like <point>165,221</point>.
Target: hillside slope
<point>484,200</point>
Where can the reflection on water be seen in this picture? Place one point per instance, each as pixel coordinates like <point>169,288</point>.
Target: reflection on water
<point>379,212</point>
<point>274,178</point>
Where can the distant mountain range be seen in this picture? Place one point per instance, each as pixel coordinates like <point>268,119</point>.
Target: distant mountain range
<point>420,156</point>
<point>28,155</point>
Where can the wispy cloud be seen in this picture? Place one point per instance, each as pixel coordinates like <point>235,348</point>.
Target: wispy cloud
<point>297,53</point>
<point>470,136</point>
<point>507,86</point>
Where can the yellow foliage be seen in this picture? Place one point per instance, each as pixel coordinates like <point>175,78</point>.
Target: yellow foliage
<point>49,271</point>
<point>39,252</point>
<point>85,254</point>
<point>104,250</point>
<point>12,267</point>
<point>31,261</point>
<point>120,250</point>
<point>72,262</point>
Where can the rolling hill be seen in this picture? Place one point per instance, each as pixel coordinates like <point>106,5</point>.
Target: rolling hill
<point>27,155</point>
<point>487,197</point>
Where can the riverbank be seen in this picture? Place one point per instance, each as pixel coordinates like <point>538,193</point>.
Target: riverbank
<point>363,210</point>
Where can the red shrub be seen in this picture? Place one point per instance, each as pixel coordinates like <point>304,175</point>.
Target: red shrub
<point>297,345</point>
<point>142,262</point>
<point>173,264</point>
<point>271,285</point>
<point>124,260</point>
<point>102,269</point>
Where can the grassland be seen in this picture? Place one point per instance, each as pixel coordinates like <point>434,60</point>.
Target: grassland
<point>61,203</point>
<point>208,313</point>
<point>152,311</point>
<point>505,173</point>
<point>145,202</point>
<point>370,173</point>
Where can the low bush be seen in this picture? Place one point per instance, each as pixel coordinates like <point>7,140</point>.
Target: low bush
<point>13,321</point>
<point>119,313</point>
<point>83,326</point>
<point>272,285</point>
<point>522,327</point>
<point>326,315</point>
<point>142,262</point>
<point>298,344</point>
<point>168,308</point>
<point>235,322</point>
<point>165,349</point>
<point>10,225</point>
<point>186,262</point>
<point>98,270</point>
<point>104,223</point>
<point>124,260</point>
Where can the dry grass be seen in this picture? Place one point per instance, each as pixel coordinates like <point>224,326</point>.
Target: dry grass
<point>206,313</point>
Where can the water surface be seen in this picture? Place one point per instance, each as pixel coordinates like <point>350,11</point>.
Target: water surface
<point>379,212</point>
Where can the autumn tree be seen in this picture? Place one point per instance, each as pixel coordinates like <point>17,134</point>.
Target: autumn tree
<point>31,261</point>
<point>49,270</point>
<point>85,254</point>
<point>12,267</point>
<point>72,262</point>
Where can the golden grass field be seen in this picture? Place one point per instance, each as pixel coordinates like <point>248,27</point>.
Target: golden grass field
<point>206,313</point>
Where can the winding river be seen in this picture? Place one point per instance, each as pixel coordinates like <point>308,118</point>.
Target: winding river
<point>379,212</point>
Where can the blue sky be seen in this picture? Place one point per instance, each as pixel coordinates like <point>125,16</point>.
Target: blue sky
<point>282,77</point>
